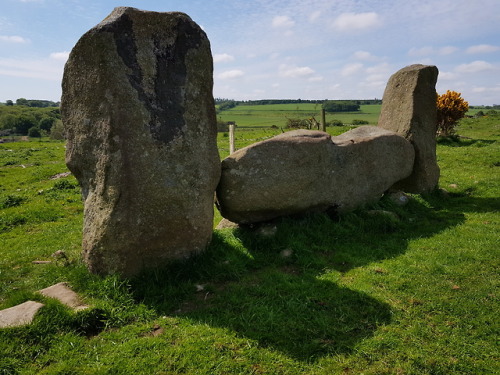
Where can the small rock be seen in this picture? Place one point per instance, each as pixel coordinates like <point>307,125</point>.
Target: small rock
<point>453,186</point>
<point>19,315</point>
<point>59,254</point>
<point>267,230</point>
<point>399,198</point>
<point>60,175</point>
<point>286,253</point>
<point>200,287</point>
<point>65,295</point>
<point>225,223</point>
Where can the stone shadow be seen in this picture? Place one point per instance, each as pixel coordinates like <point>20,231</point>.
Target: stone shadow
<point>269,284</point>
<point>457,141</point>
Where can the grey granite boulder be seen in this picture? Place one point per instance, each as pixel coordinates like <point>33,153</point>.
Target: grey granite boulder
<point>139,116</point>
<point>303,171</point>
<point>409,108</point>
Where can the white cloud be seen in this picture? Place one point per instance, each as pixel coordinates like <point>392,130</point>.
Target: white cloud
<point>447,76</point>
<point>363,55</point>
<point>314,16</point>
<point>426,51</point>
<point>482,48</point>
<point>383,68</point>
<point>231,74</point>
<point>46,69</point>
<point>376,78</point>
<point>62,56</point>
<point>295,71</point>
<point>316,79</point>
<point>351,69</point>
<point>448,50</point>
<point>284,22</point>
<point>474,67</point>
<point>13,39</point>
<point>357,21</point>
<point>223,57</point>
<point>423,51</point>
<point>486,89</point>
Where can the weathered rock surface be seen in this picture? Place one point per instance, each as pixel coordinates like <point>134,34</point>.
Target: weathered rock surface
<point>64,294</point>
<point>139,115</point>
<point>409,108</point>
<point>303,171</point>
<point>19,315</point>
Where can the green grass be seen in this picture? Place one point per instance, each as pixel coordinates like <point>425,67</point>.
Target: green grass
<point>277,114</point>
<point>359,294</point>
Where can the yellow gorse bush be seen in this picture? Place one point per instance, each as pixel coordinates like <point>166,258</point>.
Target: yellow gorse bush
<point>451,107</point>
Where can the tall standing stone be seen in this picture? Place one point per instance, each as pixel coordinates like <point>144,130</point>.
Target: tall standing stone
<point>409,108</point>
<point>139,116</point>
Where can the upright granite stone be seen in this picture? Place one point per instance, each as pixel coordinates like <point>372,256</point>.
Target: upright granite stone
<point>308,171</point>
<point>139,116</point>
<point>409,108</point>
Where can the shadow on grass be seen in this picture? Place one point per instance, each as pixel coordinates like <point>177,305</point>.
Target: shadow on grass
<point>457,141</point>
<point>276,289</point>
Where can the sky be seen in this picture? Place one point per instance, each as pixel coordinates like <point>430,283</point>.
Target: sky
<point>278,49</point>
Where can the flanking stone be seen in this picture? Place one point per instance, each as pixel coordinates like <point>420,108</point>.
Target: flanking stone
<point>409,108</point>
<point>64,294</point>
<point>140,120</point>
<point>19,315</point>
<point>303,171</point>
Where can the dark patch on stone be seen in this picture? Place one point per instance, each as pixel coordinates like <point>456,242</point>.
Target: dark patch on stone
<point>166,107</point>
<point>171,79</point>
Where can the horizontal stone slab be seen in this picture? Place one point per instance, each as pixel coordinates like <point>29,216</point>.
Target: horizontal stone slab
<point>64,294</point>
<point>303,171</point>
<point>19,315</point>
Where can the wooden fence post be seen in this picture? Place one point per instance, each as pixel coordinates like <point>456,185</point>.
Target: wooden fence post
<point>231,138</point>
<point>323,120</point>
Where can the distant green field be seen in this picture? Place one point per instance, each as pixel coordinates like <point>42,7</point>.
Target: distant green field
<point>277,114</point>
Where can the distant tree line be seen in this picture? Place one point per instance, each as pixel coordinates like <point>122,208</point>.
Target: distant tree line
<point>331,105</point>
<point>340,106</point>
<point>33,121</point>
<point>494,106</point>
<point>32,103</point>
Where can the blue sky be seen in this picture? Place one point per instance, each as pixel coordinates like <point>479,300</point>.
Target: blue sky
<point>308,49</point>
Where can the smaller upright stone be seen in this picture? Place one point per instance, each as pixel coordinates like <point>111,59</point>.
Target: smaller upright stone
<point>409,108</point>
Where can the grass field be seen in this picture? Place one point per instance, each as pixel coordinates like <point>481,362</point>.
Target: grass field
<point>277,114</point>
<point>362,294</point>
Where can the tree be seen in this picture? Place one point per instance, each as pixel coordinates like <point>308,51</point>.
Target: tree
<point>22,101</point>
<point>9,103</point>
<point>46,123</point>
<point>57,130</point>
<point>23,123</point>
<point>340,106</point>
<point>34,132</point>
<point>451,107</point>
